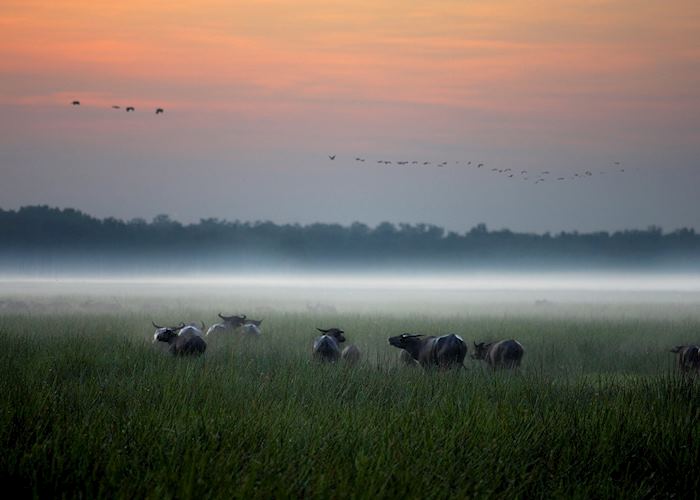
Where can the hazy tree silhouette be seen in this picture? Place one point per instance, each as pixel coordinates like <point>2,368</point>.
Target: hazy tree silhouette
<point>41,235</point>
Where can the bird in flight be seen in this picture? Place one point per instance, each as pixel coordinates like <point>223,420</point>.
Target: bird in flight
<point>116,107</point>
<point>332,157</point>
<point>76,103</point>
<point>130,108</point>
<point>159,111</point>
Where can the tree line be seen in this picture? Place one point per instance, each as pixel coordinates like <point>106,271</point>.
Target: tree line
<point>42,235</point>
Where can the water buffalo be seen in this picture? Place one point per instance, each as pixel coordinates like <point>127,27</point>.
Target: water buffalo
<point>688,358</point>
<point>351,354</point>
<point>229,323</point>
<point>327,346</point>
<point>182,340</point>
<point>502,354</point>
<point>252,327</point>
<point>161,329</point>
<point>445,351</point>
<point>193,328</point>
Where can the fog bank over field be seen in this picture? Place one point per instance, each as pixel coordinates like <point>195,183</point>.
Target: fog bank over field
<point>670,295</point>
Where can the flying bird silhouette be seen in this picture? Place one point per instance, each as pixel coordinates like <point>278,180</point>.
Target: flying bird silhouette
<point>159,111</point>
<point>76,103</point>
<point>332,157</point>
<point>116,107</point>
<point>130,108</point>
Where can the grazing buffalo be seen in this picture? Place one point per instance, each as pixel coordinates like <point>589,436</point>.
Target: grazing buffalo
<point>351,354</point>
<point>161,329</point>
<point>502,354</point>
<point>252,327</point>
<point>181,340</point>
<point>688,358</point>
<point>445,351</point>
<point>230,323</point>
<point>327,346</point>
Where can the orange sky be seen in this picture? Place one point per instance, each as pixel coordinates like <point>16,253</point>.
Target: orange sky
<point>553,57</point>
<point>608,75</point>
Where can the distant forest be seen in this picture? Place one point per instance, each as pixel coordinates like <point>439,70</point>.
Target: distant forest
<point>41,239</point>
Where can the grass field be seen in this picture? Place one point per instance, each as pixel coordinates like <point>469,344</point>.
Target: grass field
<point>90,408</point>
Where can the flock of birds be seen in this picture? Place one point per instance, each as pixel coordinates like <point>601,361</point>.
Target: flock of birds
<point>536,177</point>
<point>129,109</point>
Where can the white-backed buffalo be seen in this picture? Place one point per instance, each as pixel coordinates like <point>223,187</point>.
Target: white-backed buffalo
<point>327,346</point>
<point>229,323</point>
<point>445,351</point>
<point>502,354</point>
<point>182,340</point>
<point>688,358</point>
<point>194,329</point>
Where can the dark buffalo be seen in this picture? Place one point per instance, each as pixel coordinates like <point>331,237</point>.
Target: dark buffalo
<point>182,341</point>
<point>327,346</point>
<point>445,351</point>
<point>688,358</point>
<point>502,354</point>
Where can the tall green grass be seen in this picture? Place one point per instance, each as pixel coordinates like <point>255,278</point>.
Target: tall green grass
<point>90,408</point>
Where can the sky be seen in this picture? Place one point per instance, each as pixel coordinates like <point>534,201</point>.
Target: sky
<point>258,94</point>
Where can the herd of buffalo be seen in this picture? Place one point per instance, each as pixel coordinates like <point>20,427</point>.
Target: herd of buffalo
<point>444,351</point>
